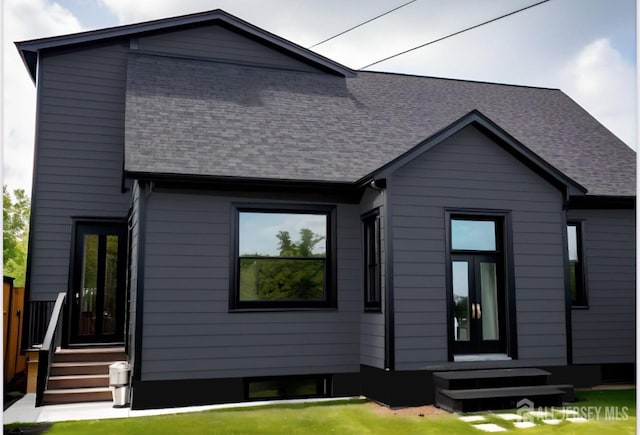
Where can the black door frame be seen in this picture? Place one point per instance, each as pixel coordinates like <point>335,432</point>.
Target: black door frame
<point>101,226</point>
<point>476,344</point>
<point>504,253</point>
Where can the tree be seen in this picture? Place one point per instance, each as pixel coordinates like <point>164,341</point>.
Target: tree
<point>16,210</point>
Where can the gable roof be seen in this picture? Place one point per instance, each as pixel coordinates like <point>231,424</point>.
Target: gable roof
<point>29,49</point>
<point>224,120</point>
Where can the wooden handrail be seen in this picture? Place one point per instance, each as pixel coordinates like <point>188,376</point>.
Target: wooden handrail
<point>45,354</point>
<point>53,322</point>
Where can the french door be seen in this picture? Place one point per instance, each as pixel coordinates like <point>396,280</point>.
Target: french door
<point>97,295</point>
<point>477,289</point>
<point>478,304</point>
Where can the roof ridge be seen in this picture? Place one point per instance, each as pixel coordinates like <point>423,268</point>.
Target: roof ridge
<point>457,80</point>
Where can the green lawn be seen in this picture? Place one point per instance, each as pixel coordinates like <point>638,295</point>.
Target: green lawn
<point>354,417</point>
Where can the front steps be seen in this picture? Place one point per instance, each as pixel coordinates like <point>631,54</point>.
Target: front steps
<point>81,375</point>
<point>479,390</point>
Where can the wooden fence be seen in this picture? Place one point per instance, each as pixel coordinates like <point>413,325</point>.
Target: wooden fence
<point>13,311</point>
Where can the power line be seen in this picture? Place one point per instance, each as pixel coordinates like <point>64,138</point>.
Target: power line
<point>456,33</point>
<point>362,24</point>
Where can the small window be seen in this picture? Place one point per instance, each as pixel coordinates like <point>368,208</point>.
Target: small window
<point>576,265</point>
<point>283,258</point>
<point>289,387</point>
<point>372,263</point>
<point>473,235</point>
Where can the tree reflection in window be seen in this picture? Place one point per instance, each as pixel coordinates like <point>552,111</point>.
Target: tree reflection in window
<point>273,266</point>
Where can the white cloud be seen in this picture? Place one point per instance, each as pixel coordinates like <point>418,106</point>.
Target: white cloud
<point>44,19</point>
<point>604,83</point>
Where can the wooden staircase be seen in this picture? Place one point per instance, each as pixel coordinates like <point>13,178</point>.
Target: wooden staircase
<point>479,390</point>
<point>81,375</point>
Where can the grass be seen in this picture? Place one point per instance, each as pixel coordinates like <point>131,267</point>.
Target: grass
<point>346,417</point>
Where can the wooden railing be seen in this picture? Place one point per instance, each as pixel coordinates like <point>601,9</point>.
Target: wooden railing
<point>52,340</point>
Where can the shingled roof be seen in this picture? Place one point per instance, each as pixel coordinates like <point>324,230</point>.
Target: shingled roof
<point>213,119</point>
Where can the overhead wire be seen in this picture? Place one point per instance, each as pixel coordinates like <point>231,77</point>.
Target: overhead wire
<point>363,23</point>
<point>456,33</point>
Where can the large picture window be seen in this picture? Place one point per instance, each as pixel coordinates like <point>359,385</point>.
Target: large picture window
<point>576,265</point>
<point>283,258</point>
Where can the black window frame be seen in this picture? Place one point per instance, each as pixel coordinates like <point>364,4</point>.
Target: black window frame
<point>580,299</point>
<point>323,385</point>
<point>372,261</point>
<point>330,295</point>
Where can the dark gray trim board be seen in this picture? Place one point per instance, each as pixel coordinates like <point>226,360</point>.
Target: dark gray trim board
<point>389,310</point>
<point>567,290</point>
<point>142,224</point>
<point>343,192</point>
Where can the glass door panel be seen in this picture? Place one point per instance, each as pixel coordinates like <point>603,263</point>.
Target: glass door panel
<point>110,285</point>
<point>88,290</point>
<point>461,317</point>
<point>488,311</point>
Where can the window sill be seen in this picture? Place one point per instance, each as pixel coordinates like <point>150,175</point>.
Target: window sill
<point>280,309</point>
<point>373,310</point>
<point>580,307</point>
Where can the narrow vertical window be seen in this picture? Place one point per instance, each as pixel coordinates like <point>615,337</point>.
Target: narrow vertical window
<point>372,266</point>
<point>576,265</point>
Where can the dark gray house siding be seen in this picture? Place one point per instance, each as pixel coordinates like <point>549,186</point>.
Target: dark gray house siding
<point>372,329</point>
<point>605,332</point>
<point>470,171</point>
<point>216,42</point>
<point>78,156</point>
<point>189,332</point>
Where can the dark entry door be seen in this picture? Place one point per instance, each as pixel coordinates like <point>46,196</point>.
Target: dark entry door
<point>478,304</point>
<point>98,287</point>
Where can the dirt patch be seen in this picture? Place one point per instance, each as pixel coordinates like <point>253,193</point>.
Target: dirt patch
<point>415,411</point>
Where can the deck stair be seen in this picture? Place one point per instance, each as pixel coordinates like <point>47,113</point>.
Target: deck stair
<point>479,390</point>
<point>81,375</point>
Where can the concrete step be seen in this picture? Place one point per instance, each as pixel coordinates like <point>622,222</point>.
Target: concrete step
<point>479,399</point>
<point>80,368</point>
<point>75,395</point>
<point>78,381</point>
<point>495,378</point>
<point>93,354</point>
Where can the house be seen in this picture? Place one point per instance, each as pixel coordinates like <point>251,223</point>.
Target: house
<point>248,219</point>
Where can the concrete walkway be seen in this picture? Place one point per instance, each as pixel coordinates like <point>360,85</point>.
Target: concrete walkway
<point>25,411</point>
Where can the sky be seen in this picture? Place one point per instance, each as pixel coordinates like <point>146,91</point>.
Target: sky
<point>587,48</point>
<point>258,231</point>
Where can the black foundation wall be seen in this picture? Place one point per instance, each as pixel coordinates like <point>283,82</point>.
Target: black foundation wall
<point>393,388</point>
<point>196,392</point>
<point>397,389</point>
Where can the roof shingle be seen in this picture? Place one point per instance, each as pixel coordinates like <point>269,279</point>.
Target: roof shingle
<point>203,118</point>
